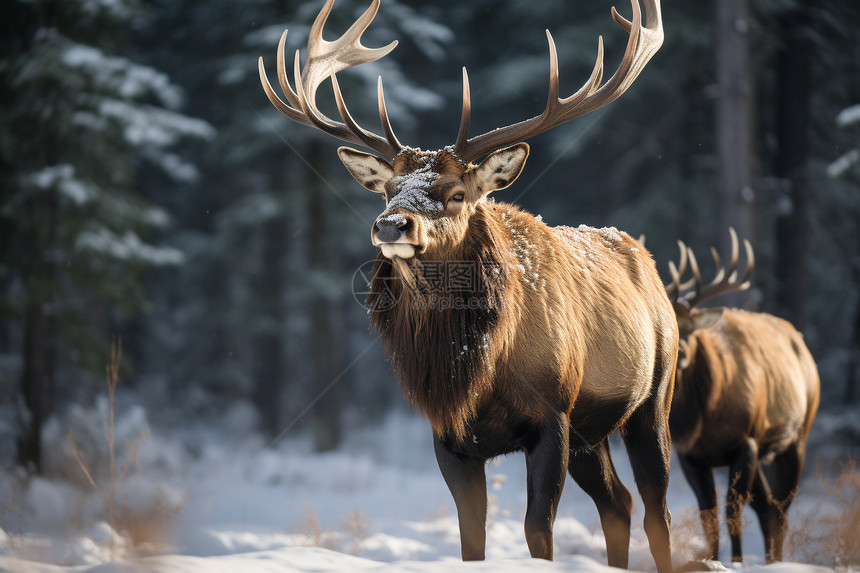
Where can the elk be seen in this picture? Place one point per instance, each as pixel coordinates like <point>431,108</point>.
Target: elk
<point>554,338</point>
<point>746,393</point>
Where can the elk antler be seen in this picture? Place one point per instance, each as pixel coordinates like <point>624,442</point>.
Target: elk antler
<point>641,46</point>
<point>675,287</point>
<point>725,280</point>
<point>324,59</point>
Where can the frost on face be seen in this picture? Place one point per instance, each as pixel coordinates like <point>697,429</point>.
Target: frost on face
<point>395,219</point>
<point>413,191</point>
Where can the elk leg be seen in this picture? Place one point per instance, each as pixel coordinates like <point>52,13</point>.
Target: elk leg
<point>468,484</point>
<point>786,477</point>
<point>763,504</point>
<point>546,464</point>
<point>592,469</point>
<point>646,435</point>
<point>701,480</point>
<point>742,470</point>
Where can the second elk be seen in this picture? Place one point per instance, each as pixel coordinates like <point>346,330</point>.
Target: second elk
<point>746,393</point>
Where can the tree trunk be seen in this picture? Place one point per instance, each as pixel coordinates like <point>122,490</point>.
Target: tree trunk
<point>270,372</point>
<point>32,413</point>
<point>792,131</point>
<point>735,124</point>
<point>39,348</point>
<point>327,332</point>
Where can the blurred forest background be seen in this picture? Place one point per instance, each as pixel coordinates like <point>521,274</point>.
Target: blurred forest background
<point>149,190</point>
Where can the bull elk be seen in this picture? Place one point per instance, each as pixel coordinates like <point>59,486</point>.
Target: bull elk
<point>558,337</point>
<point>746,393</point>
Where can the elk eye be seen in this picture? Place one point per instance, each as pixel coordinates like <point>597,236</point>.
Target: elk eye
<point>457,197</point>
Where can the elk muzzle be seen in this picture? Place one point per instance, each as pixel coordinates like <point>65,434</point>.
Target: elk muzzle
<point>397,235</point>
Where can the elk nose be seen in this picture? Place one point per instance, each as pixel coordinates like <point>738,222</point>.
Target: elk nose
<point>391,227</point>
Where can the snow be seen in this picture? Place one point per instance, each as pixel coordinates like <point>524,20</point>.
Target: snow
<point>413,191</point>
<point>610,234</point>
<point>525,252</point>
<point>127,246</point>
<point>844,163</point>
<point>129,79</point>
<point>119,9</point>
<point>152,126</point>
<point>429,36</point>
<point>848,116</point>
<point>242,505</point>
<point>63,178</point>
<point>396,219</point>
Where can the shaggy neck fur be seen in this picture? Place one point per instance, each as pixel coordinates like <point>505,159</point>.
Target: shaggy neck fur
<point>695,393</point>
<point>438,331</point>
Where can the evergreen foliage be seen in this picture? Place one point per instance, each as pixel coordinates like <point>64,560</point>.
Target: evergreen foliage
<point>149,189</point>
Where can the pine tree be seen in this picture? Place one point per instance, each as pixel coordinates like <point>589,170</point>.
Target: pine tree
<point>80,121</point>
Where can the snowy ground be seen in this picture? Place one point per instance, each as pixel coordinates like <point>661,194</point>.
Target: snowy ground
<point>224,502</point>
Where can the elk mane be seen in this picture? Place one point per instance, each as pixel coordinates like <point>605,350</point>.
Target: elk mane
<point>690,401</point>
<point>443,342</point>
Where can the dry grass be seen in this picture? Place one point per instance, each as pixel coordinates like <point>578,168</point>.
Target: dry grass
<point>11,508</point>
<point>146,529</point>
<point>354,529</point>
<point>834,538</point>
<point>688,540</point>
<point>318,536</point>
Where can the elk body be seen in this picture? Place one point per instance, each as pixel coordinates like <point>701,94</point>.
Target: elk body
<point>746,393</point>
<point>507,334</point>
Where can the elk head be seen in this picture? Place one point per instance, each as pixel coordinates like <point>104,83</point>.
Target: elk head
<point>686,296</point>
<point>431,195</point>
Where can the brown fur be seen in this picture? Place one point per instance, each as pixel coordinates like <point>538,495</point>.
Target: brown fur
<point>746,394</point>
<point>442,355</point>
<point>564,315</point>
<point>749,375</point>
<point>563,336</point>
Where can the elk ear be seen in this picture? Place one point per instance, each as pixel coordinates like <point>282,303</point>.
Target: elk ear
<point>706,317</point>
<point>500,168</point>
<point>368,169</point>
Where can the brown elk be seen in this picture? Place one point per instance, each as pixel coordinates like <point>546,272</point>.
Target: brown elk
<point>746,393</point>
<point>556,338</point>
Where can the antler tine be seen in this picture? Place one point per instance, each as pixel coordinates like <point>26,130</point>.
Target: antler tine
<point>465,118</point>
<point>642,44</point>
<point>367,138</point>
<point>324,59</point>
<point>588,88</point>
<point>732,271</point>
<point>676,288</point>
<point>672,287</point>
<point>293,114</point>
<point>718,265</point>
<point>726,280</point>
<point>750,264</point>
<point>676,272</point>
<point>697,278</point>
<point>383,117</point>
<point>292,97</point>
